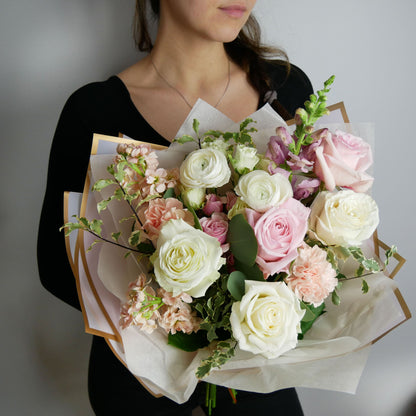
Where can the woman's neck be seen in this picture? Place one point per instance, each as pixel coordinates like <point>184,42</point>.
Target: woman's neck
<point>194,65</point>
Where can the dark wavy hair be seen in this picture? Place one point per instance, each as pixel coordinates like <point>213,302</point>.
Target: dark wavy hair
<point>246,50</point>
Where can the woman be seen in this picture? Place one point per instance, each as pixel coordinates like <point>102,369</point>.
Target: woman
<point>200,51</point>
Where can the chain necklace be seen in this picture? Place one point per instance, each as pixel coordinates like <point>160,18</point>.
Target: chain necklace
<point>182,96</point>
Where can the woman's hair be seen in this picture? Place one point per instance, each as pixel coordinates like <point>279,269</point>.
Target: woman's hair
<point>246,50</point>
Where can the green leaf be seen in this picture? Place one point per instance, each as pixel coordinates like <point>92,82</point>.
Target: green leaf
<point>364,286</point>
<point>389,253</point>
<point>222,353</point>
<point>335,298</point>
<point>95,226</point>
<point>252,272</point>
<point>197,224</point>
<point>214,133</point>
<point>102,183</point>
<point>134,238</point>
<point>236,285</point>
<point>188,342</point>
<point>195,126</point>
<point>115,236</point>
<point>146,248</point>
<point>242,240</point>
<point>169,193</point>
<point>184,139</point>
<point>311,315</point>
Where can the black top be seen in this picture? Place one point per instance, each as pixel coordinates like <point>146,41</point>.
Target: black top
<point>106,108</point>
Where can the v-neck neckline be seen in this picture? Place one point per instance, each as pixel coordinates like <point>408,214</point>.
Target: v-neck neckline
<point>136,110</point>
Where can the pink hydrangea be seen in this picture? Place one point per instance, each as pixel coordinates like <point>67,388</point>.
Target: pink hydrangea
<point>312,278</point>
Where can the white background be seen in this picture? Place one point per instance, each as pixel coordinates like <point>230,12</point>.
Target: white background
<point>49,48</point>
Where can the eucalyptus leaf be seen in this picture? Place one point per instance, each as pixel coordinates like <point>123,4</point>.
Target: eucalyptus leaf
<point>242,240</point>
<point>252,272</point>
<point>236,285</point>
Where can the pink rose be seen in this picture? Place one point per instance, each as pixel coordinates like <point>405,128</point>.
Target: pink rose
<point>279,232</point>
<point>216,226</point>
<point>313,278</point>
<point>161,210</point>
<point>341,160</point>
<point>213,204</point>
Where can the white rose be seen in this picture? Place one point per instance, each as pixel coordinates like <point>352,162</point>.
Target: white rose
<point>245,158</point>
<point>186,260</point>
<point>345,218</point>
<point>261,191</point>
<point>267,319</point>
<point>193,197</point>
<point>204,168</point>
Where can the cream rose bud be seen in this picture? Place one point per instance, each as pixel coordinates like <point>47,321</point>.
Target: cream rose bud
<point>204,168</point>
<point>345,218</point>
<point>186,260</point>
<point>245,158</point>
<point>193,197</point>
<point>267,319</point>
<point>261,191</point>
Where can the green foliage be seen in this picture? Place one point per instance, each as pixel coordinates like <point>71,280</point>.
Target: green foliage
<point>311,315</point>
<point>189,342</point>
<point>252,272</point>
<point>242,240</point>
<point>222,353</point>
<point>169,193</point>
<point>134,238</point>
<point>306,117</point>
<point>215,310</point>
<point>184,139</point>
<point>389,253</point>
<point>236,284</point>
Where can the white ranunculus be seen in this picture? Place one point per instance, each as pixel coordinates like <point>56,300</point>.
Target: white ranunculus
<point>267,319</point>
<point>204,168</point>
<point>245,158</point>
<point>186,260</point>
<point>261,191</point>
<point>344,218</point>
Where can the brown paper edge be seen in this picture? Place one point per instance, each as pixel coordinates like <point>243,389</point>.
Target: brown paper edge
<point>116,335</point>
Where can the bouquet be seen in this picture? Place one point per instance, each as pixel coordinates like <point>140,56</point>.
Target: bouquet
<point>236,247</point>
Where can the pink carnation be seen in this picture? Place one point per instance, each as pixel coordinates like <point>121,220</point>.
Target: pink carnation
<point>279,232</point>
<point>313,278</point>
<point>161,210</point>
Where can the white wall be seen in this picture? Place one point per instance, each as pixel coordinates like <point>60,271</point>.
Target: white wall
<point>51,47</point>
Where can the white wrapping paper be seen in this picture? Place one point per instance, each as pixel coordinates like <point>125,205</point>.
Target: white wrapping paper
<point>331,356</point>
